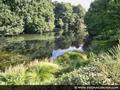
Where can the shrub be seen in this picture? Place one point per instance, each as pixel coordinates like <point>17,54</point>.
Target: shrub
<point>103,71</point>
<point>89,75</point>
<point>74,60</point>
<point>70,56</point>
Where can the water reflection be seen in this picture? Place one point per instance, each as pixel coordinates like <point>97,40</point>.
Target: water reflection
<point>59,52</point>
<point>40,46</point>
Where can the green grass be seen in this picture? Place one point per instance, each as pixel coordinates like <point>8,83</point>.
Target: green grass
<point>97,46</point>
<point>106,45</point>
<point>34,73</point>
<point>41,72</point>
<point>13,76</point>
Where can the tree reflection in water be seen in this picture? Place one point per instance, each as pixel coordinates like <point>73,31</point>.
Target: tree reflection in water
<point>41,46</point>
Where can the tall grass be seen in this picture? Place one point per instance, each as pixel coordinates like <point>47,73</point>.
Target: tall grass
<point>13,75</point>
<point>111,64</point>
<point>34,73</point>
<point>41,72</point>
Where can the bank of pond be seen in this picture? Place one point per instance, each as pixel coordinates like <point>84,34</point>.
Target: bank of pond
<point>57,43</point>
<point>25,48</point>
<point>71,68</point>
<point>58,59</point>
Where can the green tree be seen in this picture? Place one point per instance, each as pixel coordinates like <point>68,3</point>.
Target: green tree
<point>63,11</point>
<point>10,23</point>
<point>78,15</point>
<point>102,19</point>
<point>37,15</point>
<point>72,16</point>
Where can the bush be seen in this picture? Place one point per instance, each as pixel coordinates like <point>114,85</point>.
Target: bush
<point>74,60</point>
<point>70,56</point>
<point>89,75</point>
<point>103,71</point>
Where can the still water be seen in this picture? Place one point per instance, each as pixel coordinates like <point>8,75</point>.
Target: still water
<point>27,47</point>
<point>59,52</point>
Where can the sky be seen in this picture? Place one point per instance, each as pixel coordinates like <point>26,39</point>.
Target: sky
<point>84,3</point>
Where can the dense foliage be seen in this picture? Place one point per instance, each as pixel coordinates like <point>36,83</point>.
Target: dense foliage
<point>10,22</point>
<point>33,74</point>
<point>38,16</point>
<point>104,70</point>
<point>103,19</point>
<point>30,16</point>
<point>68,16</point>
<point>94,67</point>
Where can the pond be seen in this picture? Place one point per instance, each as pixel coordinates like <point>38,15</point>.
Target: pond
<point>24,48</point>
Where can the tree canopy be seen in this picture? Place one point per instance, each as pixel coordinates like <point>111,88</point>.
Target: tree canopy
<point>10,23</point>
<point>30,16</point>
<point>103,19</point>
<point>38,16</point>
<point>71,16</point>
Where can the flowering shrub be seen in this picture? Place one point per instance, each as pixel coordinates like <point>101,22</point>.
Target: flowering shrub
<point>88,75</point>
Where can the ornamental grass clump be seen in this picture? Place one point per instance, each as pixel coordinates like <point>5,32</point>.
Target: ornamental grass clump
<point>37,74</point>
<point>13,75</point>
<point>34,73</point>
